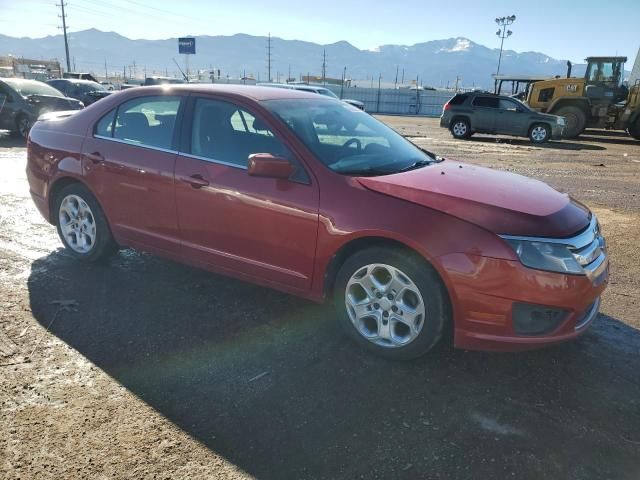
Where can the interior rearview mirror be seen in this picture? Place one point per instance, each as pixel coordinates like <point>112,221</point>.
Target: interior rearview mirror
<point>268,165</point>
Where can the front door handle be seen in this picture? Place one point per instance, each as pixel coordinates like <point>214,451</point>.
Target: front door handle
<point>196,181</point>
<point>95,157</point>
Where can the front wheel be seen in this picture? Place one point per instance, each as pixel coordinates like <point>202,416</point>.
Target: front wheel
<point>23,126</point>
<point>391,303</point>
<point>539,133</point>
<point>81,224</point>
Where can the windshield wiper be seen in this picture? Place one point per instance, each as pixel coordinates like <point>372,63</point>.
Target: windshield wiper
<point>417,164</point>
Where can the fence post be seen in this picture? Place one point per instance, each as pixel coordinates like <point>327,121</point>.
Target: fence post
<point>378,100</point>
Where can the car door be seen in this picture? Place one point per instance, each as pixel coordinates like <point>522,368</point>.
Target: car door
<point>129,162</point>
<point>485,110</point>
<point>512,119</point>
<point>9,106</point>
<point>255,227</point>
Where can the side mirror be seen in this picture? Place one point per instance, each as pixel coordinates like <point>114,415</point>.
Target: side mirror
<point>267,165</point>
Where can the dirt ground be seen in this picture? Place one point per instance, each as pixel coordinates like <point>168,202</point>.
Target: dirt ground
<point>143,368</point>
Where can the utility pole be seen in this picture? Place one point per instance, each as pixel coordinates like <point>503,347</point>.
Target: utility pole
<point>395,84</point>
<point>64,31</point>
<point>344,79</point>
<point>503,33</point>
<point>402,81</point>
<point>289,76</point>
<point>106,72</point>
<point>269,57</point>
<point>457,80</point>
<point>324,66</point>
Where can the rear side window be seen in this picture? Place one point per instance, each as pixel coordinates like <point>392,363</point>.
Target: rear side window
<point>148,121</point>
<point>487,102</point>
<point>458,100</point>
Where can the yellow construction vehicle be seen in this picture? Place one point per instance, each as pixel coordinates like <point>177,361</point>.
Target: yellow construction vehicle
<point>599,100</point>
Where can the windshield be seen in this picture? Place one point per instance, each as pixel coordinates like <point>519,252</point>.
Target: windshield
<point>346,139</point>
<point>32,87</point>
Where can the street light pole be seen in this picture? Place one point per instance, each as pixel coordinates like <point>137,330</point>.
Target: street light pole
<point>503,33</point>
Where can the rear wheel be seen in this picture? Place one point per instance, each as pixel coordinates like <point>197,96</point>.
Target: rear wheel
<point>634,129</point>
<point>539,133</point>
<point>575,120</point>
<point>391,303</point>
<point>460,128</point>
<point>81,224</point>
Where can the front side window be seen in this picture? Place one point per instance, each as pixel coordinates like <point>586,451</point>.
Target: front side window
<point>508,105</point>
<point>147,121</point>
<point>226,133</point>
<point>346,139</point>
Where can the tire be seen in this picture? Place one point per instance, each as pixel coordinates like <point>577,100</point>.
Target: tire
<point>539,133</point>
<point>86,236</point>
<point>575,118</point>
<point>634,129</point>
<point>381,323</point>
<point>460,128</point>
<point>23,125</point>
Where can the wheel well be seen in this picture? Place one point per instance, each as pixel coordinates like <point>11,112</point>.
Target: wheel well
<point>367,242</point>
<point>582,105</point>
<point>58,185</point>
<point>460,117</point>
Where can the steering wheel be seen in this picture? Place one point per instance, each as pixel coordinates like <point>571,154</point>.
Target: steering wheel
<point>355,141</point>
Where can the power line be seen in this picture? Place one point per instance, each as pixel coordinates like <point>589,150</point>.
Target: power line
<point>64,29</point>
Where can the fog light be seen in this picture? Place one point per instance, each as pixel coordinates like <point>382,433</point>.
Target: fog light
<point>531,319</point>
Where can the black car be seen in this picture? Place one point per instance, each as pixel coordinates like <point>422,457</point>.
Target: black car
<point>482,112</point>
<point>23,101</point>
<point>86,91</point>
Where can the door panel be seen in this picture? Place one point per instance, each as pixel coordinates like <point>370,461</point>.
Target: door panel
<point>264,228</point>
<point>261,227</point>
<point>132,175</point>
<point>510,119</point>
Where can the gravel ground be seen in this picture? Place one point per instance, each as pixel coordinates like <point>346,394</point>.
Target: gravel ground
<point>143,368</point>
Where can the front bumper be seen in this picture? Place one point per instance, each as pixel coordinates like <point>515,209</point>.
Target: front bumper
<point>557,131</point>
<point>484,291</point>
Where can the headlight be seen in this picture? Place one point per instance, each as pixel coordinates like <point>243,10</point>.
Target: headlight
<point>553,257</point>
<point>561,121</point>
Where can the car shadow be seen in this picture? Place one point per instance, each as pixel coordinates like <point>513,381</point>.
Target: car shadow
<point>7,140</point>
<point>554,144</point>
<point>268,381</point>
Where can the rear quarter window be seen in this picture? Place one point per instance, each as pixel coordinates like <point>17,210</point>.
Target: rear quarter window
<point>458,100</point>
<point>486,102</point>
<point>104,127</point>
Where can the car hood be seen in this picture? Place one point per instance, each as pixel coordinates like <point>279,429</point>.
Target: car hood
<point>502,202</point>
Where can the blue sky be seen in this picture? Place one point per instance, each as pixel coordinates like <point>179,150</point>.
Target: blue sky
<point>558,28</point>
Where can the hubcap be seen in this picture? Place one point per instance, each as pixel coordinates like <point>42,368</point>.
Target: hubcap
<point>77,224</point>
<point>384,305</point>
<point>24,127</point>
<point>460,129</point>
<point>539,133</point>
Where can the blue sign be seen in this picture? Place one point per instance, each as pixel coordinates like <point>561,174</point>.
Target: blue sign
<point>187,45</point>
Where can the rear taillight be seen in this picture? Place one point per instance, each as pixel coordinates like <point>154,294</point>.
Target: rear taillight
<point>447,106</point>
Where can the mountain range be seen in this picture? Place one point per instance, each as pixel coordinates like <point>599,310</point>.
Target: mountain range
<point>436,63</point>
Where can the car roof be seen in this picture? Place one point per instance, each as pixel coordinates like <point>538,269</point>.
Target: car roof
<point>19,80</point>
<point>71,80</point>
<point>255,92</point>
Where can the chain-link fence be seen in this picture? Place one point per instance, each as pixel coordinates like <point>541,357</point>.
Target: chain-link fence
<point>397,101</point>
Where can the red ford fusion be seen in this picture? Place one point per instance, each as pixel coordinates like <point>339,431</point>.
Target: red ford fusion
<point>316,198</point>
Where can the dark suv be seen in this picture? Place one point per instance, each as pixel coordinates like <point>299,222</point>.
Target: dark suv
<point>479,112</point>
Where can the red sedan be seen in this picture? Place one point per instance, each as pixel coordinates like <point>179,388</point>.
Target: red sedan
<point>311,196</point>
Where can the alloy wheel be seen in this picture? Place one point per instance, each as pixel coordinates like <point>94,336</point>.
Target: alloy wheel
<point>460,129</point>
<point>539,133</point>
<point>385,305</point>
<point>77,224</point>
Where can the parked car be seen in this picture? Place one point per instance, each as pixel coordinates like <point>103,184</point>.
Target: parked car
<point>86,91</point>
<point>22,101</point>
<point>251,182</point>
<point>315,89</point>
<point>480,112</point>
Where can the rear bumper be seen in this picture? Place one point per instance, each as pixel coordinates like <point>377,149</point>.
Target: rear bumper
<point>484,291</point>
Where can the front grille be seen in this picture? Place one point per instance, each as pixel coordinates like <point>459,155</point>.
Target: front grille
<point>589,247</point>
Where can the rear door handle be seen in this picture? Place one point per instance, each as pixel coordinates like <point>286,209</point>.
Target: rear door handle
<point>95,157</point>
<point>196,181</point>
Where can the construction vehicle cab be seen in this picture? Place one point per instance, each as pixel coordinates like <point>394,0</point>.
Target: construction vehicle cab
<point>598,100</point>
